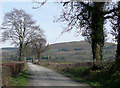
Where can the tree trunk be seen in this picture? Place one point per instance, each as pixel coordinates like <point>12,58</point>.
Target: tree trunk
<point>117,61</point>
<point>39,57</point>
<point>20,52</point>
<point>118,39</point>
<point>97,35</point>
<point>118,46</point>
<point>24,51</point>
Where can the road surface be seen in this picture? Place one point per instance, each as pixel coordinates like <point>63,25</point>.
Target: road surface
<point>42,76</point>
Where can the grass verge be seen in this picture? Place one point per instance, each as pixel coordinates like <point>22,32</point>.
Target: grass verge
<point>20,80</point>
<point>97,79</point>
<point>79,74</point>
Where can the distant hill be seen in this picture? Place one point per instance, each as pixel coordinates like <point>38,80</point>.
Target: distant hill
<point>68,52</point>
<point>78,44</point>
<point>9,52</point>
<point>10,48</point>
<point>70,46</point>
<point>77,51</point>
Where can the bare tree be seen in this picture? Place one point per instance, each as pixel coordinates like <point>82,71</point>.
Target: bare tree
<point>89,19</point>
<point>38,44</point>
<point>19,28</point>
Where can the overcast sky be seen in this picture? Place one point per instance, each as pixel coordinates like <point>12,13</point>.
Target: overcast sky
<point>44,17</point>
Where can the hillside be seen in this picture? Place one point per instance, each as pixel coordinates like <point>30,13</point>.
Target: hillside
<point>67,52</point>
<point>9,52</point>
<point>76,51</point>
<point>78,44</point>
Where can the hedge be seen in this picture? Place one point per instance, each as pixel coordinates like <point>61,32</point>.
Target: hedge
<point>11,69</point>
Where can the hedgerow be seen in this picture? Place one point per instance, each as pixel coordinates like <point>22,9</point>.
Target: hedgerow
<point>11,69</point>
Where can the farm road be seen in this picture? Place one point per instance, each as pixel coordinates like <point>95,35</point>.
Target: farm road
<point>42,76</point>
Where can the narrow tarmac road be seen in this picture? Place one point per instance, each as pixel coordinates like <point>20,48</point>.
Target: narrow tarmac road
<point>42,76</point>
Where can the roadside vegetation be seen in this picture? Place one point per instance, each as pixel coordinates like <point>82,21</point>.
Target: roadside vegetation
<point>14,74</point>
<point>20,80</point>
<point>100,79</point>
<point>85,73</point>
